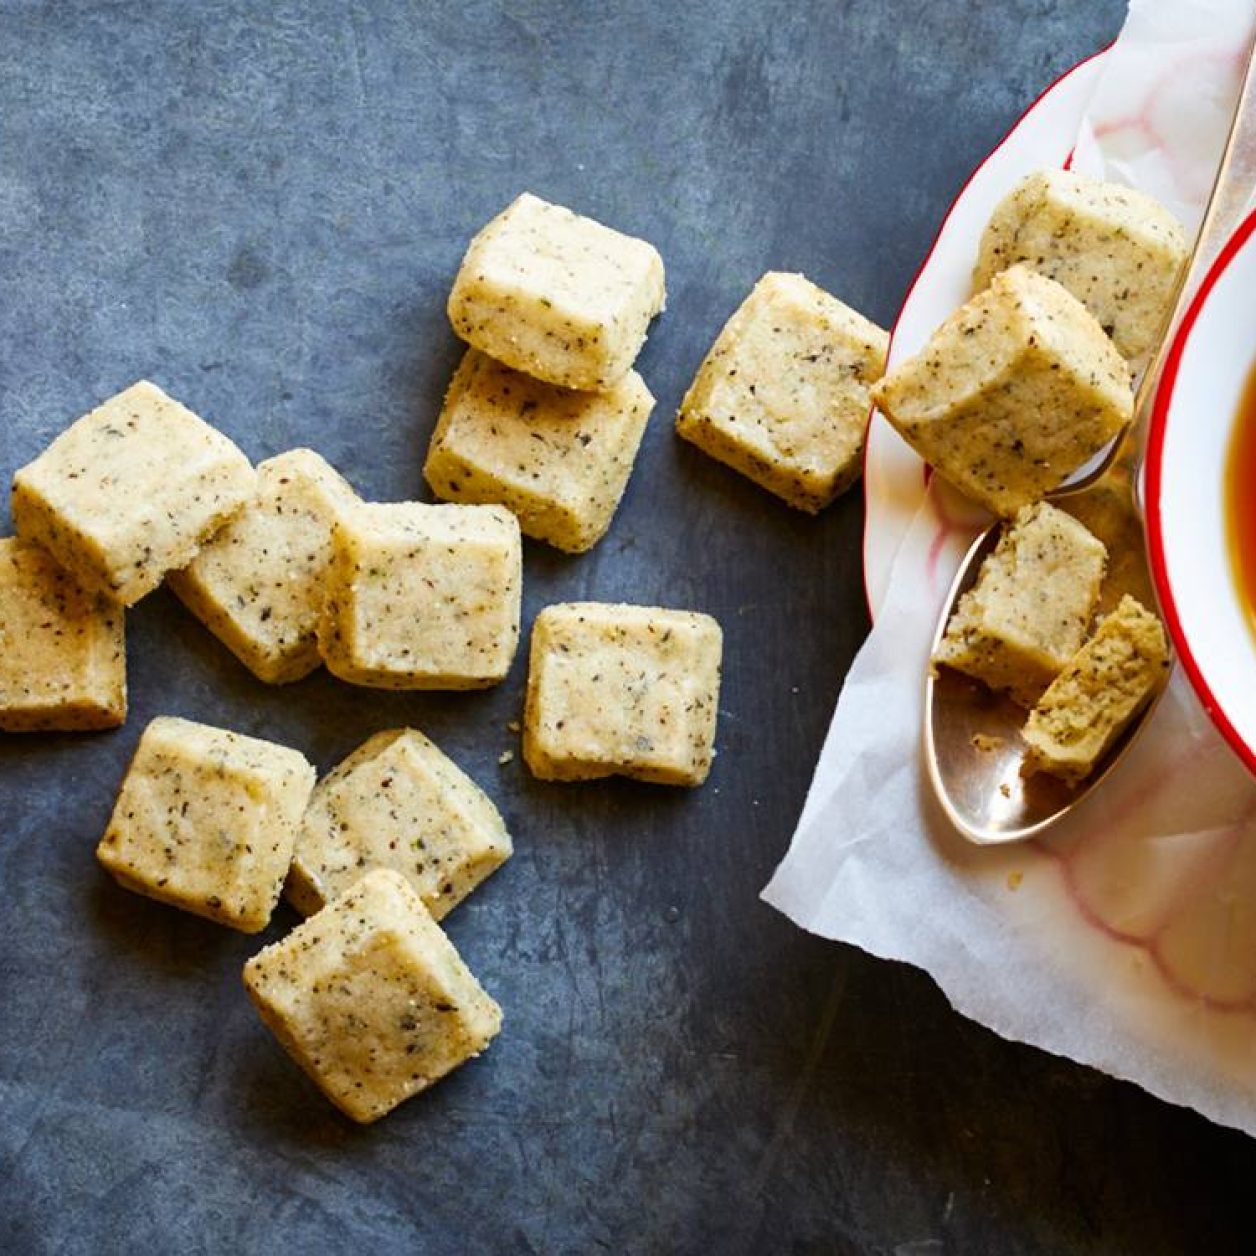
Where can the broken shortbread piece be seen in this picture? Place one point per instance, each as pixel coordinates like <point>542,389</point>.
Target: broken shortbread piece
<point>371,999</point>
<point>397,802</point>
<point>783,395</point>
<point>422,597</point>
<point>1118,251</point>
<point>1108,511</point>
<point>1103,687</point>
<point>1014,392</point>
<point>62,650</point>
<point>560,460</point>
<point>130,492</point>
<point>1028,612</point>
<point>556,295</point>
<point>622,690</point>
<point>206,820</point>
<point>258,584</point>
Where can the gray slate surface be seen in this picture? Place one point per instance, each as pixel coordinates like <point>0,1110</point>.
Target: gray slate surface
<point>261,206</point>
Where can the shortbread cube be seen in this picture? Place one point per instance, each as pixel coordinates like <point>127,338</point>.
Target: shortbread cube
<point>130,492</point>
<point>560,460</point>
<point>1029,610</point>
<point>557,296</point>
<point>422,597</point>
<point>1118,251</point>
<point>783,395</point>
<point>371,999</point>
<point>397,802</point>
<point>1103,687</point>
<point>62,650</point>
<point>207,820</point>
<point>622,690</point>
<point>1014,392</point>
<point>258,584</point>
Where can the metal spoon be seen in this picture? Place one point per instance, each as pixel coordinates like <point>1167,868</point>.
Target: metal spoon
<point>973,748</point>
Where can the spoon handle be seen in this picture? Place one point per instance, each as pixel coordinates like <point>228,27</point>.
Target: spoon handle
<point>1228,202</point>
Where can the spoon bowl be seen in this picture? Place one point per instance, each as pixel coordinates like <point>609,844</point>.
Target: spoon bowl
<point>973,745</point>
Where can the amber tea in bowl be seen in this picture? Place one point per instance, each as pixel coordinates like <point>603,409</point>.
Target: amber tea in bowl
<point>1240,499</point>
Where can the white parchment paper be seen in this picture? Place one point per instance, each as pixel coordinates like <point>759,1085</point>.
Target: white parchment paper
<point>1128,940</point>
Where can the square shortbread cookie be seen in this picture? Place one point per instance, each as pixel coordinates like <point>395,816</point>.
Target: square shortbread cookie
<point>422,597</point>
<point>1102,688</point>
<point>1118,251</point>
<point>560,460</point>
<point>397,802</point>
<point>371,999</point>
<point>1014,392</point>
<point>622,690</point>
<point>556,295</point>
<point>130,492</point>
<point>207,820</point>
<point>62,650</point>
<point>258,584</point>
<point>783,395</point>
<point>1031,605</point>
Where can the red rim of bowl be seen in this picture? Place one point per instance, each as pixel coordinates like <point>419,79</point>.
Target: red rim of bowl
<point>933,248</point>
<point>1155,483</point>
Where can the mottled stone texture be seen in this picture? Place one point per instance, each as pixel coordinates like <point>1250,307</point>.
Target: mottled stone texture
<point>261,206</point>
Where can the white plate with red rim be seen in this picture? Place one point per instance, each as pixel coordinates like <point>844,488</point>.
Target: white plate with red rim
<point>895,478</point>
<point>1196,409</point>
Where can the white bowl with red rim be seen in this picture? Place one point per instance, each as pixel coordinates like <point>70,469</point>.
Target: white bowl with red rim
<point>1196,409</point>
